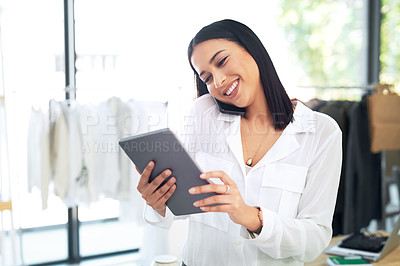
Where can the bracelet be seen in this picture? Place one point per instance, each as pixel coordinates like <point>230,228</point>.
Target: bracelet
<point>258,230</point>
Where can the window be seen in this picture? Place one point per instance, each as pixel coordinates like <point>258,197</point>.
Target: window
<point>390,43</point>
<point>32,42</point>
<point>326,42</point>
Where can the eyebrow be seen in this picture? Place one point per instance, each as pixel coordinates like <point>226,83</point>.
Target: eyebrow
<point>212,60</point>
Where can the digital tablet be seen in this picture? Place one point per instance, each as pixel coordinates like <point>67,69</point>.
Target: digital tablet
<point>165,149</point>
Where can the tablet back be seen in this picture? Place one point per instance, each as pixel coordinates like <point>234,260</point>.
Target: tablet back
<point>165,149</point>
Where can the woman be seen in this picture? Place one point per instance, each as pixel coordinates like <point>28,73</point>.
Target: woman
<point>276,168</point>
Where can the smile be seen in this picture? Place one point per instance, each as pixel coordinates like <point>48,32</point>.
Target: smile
<point>232,88</point>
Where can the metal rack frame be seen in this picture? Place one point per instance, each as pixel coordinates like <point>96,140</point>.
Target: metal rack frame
<point>386,181</point>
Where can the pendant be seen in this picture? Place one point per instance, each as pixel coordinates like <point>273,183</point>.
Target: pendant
<point>249,162</point>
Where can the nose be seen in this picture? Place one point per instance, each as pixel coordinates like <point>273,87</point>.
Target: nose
<point>219,79</point>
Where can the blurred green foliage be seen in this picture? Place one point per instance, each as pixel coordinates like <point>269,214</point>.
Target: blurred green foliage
<point>325,40</point>
<point>390,43</point>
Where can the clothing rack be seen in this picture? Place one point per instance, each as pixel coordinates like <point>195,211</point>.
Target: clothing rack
<point>386,179</point>
<point>70,89</point>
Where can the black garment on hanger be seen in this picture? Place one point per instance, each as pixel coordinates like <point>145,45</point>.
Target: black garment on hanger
<point>362,199</point>
<point>339,110</point>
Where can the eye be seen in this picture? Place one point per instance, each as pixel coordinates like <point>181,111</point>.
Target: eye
<point>222,61</point>
<point>207,80</point>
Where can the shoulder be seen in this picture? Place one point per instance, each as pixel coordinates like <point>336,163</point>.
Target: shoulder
<point>309,121</point>
<point>204,106</point>
<point>204,102</point>
<point>327,129</point>
<point>326,123</point>
<point>316,132</point>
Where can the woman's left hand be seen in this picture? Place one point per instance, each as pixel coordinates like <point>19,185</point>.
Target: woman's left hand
<point>229,199</point>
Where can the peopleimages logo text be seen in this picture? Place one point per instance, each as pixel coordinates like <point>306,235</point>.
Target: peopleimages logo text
<point>153,146</point>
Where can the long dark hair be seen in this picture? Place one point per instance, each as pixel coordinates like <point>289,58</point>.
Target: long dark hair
<point>276,96</point>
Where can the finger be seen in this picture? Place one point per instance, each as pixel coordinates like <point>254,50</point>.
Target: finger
<point>160,193</point>
<point>150,188</point>
<point>218,208</point>
<point>144,179</point>
<point>159,179</point>
<point>218,174</point>
<point>221,189</point>
<point>162,190</point>
<point>220,199</point>
<point>162,201</point>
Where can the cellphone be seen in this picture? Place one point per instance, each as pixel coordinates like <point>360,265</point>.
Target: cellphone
<point>229,108</point>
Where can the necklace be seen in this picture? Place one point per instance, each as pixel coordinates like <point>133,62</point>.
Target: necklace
<point>249,161</point>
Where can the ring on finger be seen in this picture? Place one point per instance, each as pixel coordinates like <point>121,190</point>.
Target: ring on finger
<point>227,189</point>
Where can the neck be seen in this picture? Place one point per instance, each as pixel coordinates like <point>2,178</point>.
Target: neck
<point>258,116</point>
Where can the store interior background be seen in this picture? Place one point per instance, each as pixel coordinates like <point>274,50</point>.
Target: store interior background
<point>136,50</point>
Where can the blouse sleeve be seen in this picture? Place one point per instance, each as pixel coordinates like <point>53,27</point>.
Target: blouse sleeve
<point>152,217</point>
<point>307,235</point>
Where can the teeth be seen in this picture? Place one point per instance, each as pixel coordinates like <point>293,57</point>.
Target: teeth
<point>228,92</point>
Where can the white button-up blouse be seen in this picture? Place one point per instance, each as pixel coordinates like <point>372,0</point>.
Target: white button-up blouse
<point>295,184</point>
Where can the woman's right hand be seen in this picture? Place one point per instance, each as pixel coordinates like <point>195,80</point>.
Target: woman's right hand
<point>156,198</point>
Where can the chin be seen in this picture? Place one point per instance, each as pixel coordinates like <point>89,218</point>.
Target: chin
<point>240,104</point>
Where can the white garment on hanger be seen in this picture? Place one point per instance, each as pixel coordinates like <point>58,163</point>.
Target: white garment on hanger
<point>35,129</point>
<point>127,123</point>
<point>89,122</point>
<point>72,136</point>
<point>45,162</point>
<point>39,168</point>
<point>78,190</point>
<point>59,149</point>
<point>107,149</point>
